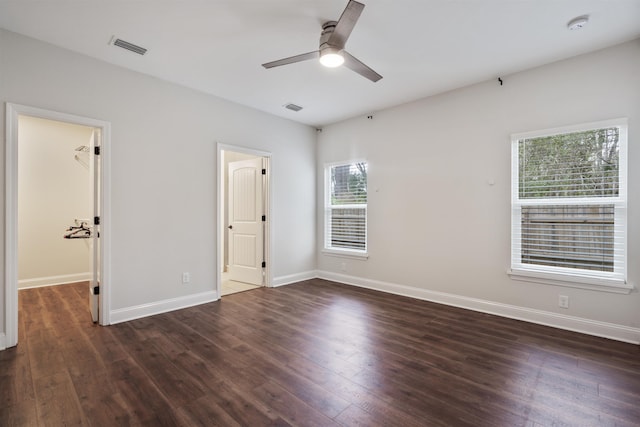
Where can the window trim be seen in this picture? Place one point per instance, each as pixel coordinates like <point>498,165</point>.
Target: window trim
<point>343,252</point>
<point>615,281</point>
<point>346,253</point>
<point>570,280</point>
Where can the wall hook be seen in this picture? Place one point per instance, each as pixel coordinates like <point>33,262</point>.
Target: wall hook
<point>500,80</point>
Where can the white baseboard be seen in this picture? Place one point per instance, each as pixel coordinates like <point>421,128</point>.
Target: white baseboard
<point>54,280</point>
<point>3,341</point>
<point>293,278</point>
<point>159,307</point>
<point>570,323</point>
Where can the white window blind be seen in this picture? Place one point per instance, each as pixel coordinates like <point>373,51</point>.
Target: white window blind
<point>346,207</point>
<point>569,203</point>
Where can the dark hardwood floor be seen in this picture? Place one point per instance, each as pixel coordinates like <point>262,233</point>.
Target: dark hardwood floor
<point>315,353</point>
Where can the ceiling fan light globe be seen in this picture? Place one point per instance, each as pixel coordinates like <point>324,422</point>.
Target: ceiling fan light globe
<point>332,60</point>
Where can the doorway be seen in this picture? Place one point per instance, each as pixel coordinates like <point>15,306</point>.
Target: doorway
<point>244,220</point>
<point>55,208</point>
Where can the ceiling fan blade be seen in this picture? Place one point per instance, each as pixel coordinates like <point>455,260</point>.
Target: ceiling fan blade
<point>292,59</point>
<point>345,24</point>
<point>353,64</point>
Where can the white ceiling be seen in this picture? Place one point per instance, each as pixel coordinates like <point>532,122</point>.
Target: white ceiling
<point>421,47</point>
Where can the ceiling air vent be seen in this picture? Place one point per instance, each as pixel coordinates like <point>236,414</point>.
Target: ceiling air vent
<point>293,107</point>
<point>129,46</point>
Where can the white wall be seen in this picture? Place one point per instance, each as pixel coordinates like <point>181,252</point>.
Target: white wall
<point>54,188</point>
<point>438,230</point>
<point>163,142</point>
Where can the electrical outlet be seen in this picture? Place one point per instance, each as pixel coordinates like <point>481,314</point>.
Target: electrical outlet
<point>343,266</point>
<point>563,301</point>
<point>186,277</point>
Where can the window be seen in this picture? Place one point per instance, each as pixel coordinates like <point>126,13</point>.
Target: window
<point>569,221</point>
<point>346,208</point>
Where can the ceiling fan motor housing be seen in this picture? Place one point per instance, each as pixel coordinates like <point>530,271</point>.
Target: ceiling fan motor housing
<point>327,30</point>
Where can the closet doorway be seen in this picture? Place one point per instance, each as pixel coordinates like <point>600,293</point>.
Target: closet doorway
<point>244,220</point>
<point>55,203</point>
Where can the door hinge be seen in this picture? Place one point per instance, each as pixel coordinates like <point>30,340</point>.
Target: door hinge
<point>96,150</point>
<point>264,264</point>
<point>264,171</point>
<point>264,218</point>
<point>96,290</point>
<point>96,220</point>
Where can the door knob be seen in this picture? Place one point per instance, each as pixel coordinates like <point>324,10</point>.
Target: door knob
<point>230,227</point>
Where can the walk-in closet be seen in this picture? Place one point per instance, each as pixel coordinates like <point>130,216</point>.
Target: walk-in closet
<point>54,203</point>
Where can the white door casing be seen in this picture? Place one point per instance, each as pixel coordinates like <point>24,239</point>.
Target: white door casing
<point>246,240</point>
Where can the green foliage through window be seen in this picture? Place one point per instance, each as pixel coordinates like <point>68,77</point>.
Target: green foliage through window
<point>349,184</point>
<point>580,164</point>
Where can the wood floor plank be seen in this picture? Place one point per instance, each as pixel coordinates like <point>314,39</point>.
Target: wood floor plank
<point>147,404</point>
<point>205,412</point>
<point>101,401</point>
<point>171,381</point>
<point>242,408</point>
<point>290,407</point>
<point>16,385</point>
<point>311,353</point>
<point>315,396</point>
<point>208,379</point>
<point>45,355</point>
<point>106,346</point>
<point>22,414</point>
<point>57,402</point>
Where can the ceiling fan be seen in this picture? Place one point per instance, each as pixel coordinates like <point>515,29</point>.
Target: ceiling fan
<point>332,41</point>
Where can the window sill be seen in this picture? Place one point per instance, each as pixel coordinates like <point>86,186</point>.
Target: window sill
<point>345,253</point>
<point>580,282</point>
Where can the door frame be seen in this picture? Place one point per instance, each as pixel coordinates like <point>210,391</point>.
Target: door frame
<point>13,111</point>
<point>268,241</point>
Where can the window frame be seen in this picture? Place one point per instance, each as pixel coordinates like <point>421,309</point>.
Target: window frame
<point>615,281</point>
<point>328,207</point>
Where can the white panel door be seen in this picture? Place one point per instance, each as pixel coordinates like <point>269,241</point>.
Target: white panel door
<point>94,256</point>
<point>245,221</point>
